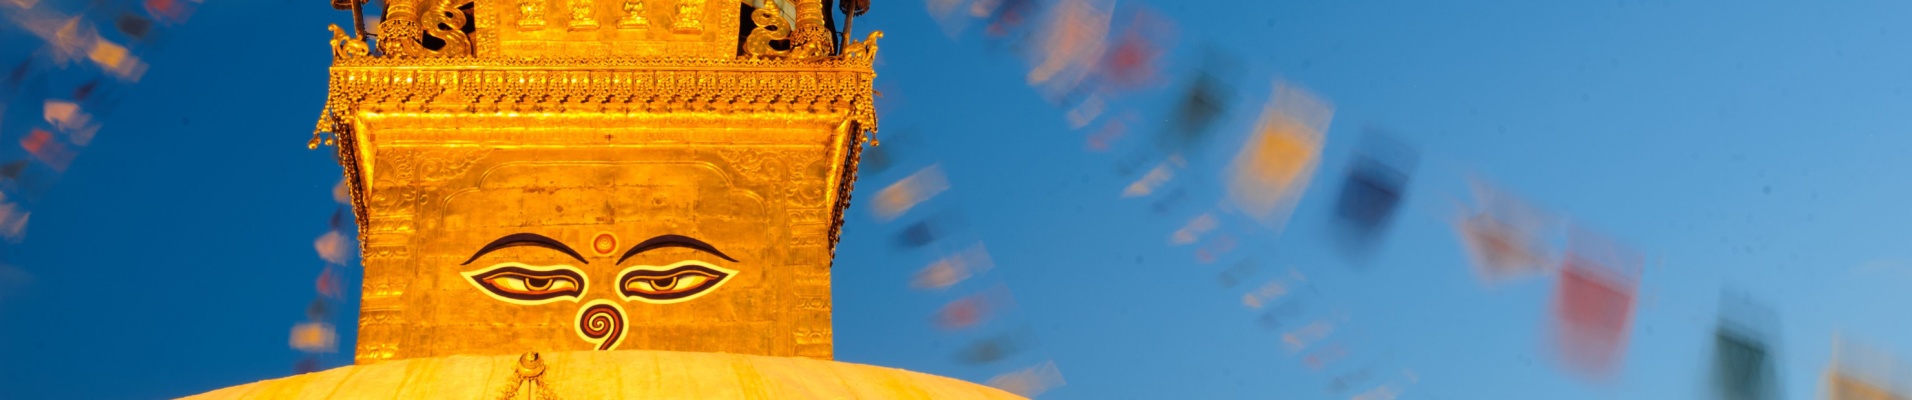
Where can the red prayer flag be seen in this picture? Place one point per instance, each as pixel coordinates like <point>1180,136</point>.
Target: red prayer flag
<point>1593,307</point>
<point>41,144</point>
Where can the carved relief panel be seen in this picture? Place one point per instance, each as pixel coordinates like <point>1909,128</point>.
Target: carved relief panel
<point>598,231</point>
<point>604,28</point>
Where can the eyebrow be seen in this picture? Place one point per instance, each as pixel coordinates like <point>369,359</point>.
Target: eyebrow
<point>526,239</point>
<point>672,241</point>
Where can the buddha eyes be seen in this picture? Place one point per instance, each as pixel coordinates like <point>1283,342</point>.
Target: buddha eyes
<point>674,283</point>
<point>522,284</point>
<point>517,283</point>
<point>531,285</point>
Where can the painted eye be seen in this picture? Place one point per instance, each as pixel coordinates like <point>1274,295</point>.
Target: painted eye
<point>521,284</point>
<point>671,284</point>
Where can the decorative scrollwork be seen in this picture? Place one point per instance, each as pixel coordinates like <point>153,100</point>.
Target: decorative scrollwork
<point>345,46</point>
<point>770,28</point>
<point>404,29</point>
<point>447,22</point>
<point>810,39</point>
<point>397,37</point>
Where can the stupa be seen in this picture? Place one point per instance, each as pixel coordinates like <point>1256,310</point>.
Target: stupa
<point>596,199</point>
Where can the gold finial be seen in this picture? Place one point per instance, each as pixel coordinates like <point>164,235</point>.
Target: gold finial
<point>530,365</point>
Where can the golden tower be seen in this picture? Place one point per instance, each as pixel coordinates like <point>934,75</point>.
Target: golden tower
<point>599,199</point>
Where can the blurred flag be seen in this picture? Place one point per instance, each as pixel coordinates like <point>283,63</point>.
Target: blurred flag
<point>1194,229</point>
<point>11,171</point>
<point>1204,103</point>
<point>328,283</point>
<point>306,365</point>
<point>1154,179</point>
<point>946,15</point>
<point>1004,18</point>
<point>1232,276</point>
<point>1593,305</point>
<point>170,11</point>
<point>1743,340</point>
<point>133,26</point>
<point>1029,382</point>
<point>1111,131</point>
<point>13,220</point>
<point>928,230</point>
<point>69,38</point>
<point>953,269</point>
<point>333,247</point>
<point>1328,354</point>
<point>43,146</point>
<point>1341,383</point>
<point>916,235</point>
<point>317,310</point>
<point>1503,236</point>
<point>1169,203</point>
<point>116,60</point>
<point>1742,367</point>
<point>85,91</point>
<point>342,193</point>
<point>1307,335</point>
<point>1272,170</point>
<point>1276,317</point>
<point>993,348</point>
<point>1085,112</point>
<point>66,116</point>
<point>314,337</point>
<point>899,197</point>
<point>964,312</point>
<point>1215,249</point>
<point>1131,61</point>
<point>1859,372</point>
<point>1262,295</point>
<point>1384,392</point>
<point>17,78</point>
<point>1376,182</point>
<point>1390,390</point>
<point>1069,46</point>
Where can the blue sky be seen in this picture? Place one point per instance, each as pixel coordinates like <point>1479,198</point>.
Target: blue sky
<point>1744,146</point>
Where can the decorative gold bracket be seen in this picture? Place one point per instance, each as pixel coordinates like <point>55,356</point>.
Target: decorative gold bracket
<point>344,47</point>
<point>402,34</point>
<point>770,27</point>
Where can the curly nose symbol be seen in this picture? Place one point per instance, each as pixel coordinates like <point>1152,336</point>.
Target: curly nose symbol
<point>601,322</point>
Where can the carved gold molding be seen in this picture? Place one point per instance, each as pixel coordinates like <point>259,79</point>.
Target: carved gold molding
<point>477,86</point>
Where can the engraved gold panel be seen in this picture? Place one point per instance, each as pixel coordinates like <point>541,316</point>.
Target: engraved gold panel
<point>606,28</point>
<point>594,175</point>
<point>445,186</point>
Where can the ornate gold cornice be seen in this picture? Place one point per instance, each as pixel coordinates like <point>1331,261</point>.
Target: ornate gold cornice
<point>476,86</point>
